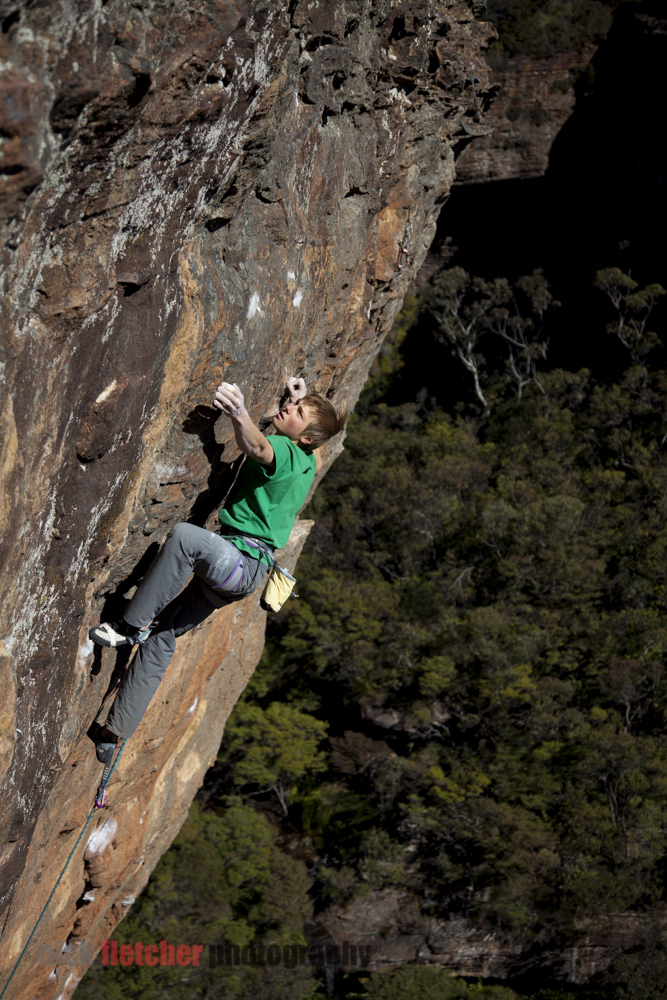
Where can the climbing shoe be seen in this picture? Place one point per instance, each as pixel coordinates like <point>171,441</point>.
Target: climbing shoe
<point>104,752</point>
<point>117,634</point>
<point>105,744</point>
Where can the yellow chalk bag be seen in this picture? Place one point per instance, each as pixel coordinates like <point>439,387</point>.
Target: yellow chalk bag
<point>278,588</point>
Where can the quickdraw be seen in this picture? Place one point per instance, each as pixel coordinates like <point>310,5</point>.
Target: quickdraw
<point>403,259</point>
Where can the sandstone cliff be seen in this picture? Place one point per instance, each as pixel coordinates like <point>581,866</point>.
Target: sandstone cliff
<point>535,99</point>
<point>388,925</point>
<point>190,191</point>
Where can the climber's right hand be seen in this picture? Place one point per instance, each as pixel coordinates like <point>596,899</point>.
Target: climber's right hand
<point>296,388</point>
<point>229,399</point>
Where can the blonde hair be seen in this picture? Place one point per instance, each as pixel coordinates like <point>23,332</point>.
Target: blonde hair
<point>325,419</point>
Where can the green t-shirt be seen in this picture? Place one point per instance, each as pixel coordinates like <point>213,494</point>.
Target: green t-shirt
<point>265,504</point>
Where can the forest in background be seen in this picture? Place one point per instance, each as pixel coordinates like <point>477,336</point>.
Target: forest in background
<point>541,28</point>
<point>466,704</point>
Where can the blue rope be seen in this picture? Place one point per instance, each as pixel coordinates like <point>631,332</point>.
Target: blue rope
<point>71,855</point>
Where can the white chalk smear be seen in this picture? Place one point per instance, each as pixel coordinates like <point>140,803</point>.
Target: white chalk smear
<point>107,392</point>
<point>296,301</point>
<point>291,276</point>
<point>193,705</point>
<point>71,983</point>
<point>101,838</point>
<point>254,306</point>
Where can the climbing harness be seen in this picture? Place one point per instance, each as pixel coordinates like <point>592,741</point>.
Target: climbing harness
<point>280,584</point>
<point>98,804</point>
<point>403,259</point>
<point>234,578</point>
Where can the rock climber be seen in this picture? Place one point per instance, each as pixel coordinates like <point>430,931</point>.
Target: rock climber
<point>272,486</point>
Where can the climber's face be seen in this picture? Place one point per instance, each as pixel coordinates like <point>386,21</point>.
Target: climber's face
<point>293,420</point>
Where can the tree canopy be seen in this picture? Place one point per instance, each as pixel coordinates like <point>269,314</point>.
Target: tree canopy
<point>467,704</point>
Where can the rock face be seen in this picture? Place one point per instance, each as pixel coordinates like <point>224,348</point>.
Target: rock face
<point>535,99</point>
<point>190,191</point>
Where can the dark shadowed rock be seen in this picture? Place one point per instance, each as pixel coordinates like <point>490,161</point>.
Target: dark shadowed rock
<point>535,99</point>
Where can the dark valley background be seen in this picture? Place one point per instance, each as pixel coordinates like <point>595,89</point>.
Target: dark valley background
<point>456,736</point>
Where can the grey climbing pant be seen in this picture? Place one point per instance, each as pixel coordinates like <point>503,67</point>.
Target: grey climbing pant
<point>187,549</point>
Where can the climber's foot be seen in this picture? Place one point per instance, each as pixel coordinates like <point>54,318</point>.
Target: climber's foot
<point>119,633</point>
<point>105,744</point>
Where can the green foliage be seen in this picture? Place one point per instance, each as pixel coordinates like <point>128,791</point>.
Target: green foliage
<point>562,995</point>
<point>429,983</point>
<point>640,973</point>
<point>223,879</point>
<point>481,636</point>
<point>466,307</point>
<point>274,748</point>
<point>633,306</point>
<point>497,601</point>
<point>542,28</point>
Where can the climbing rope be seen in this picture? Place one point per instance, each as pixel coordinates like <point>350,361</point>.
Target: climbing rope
<point>97,804</point>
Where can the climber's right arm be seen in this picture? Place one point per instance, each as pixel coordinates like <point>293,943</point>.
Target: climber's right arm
<point>249,438</point>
